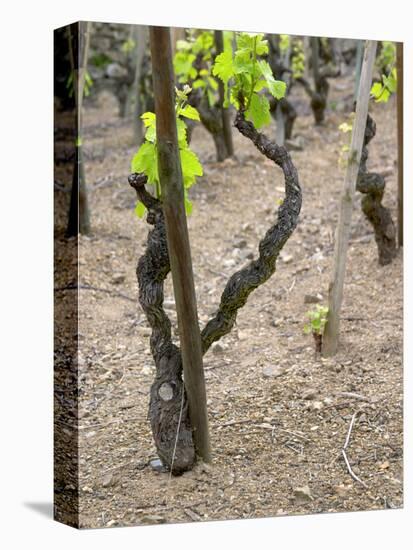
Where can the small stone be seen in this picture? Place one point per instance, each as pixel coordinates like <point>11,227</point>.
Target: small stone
<point>146,370</point>
<point>312,298</point>
<point>114,70</point>
<point>242,335</point>
<point>230,262</point>
<point>118,278</point>
<point>310,393</point>
<point>287,258</point>
<point>296,144</point>
<point>388,171</point>
<point>153,518</point>
<point>111,523</point>
<point>317,405</point>
<point>303,494</point>
<point>272,371</point>
<point>241,244</point>
<point>109,480</point>
<point>217,347</point>
<point>157,465</point>
<point>87,489</point>
<point>384,465</point>
<point>342,490</point>
<point>145,331</point>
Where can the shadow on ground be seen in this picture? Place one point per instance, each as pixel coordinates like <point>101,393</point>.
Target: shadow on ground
<point>43,508</point>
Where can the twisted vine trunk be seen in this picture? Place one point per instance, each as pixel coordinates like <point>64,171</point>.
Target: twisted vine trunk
<point>167,391</point>
<point>257,272</point>
<point>372,185</point>
<point>281,71</point>
<point>318,97</point>
<point>211,117</point>
<point>168,408</point>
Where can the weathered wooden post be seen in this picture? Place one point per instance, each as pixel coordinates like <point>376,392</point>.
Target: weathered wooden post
<point>170,176</point>
<point>400,143</point>
<point>226,122</point>
<point>359,58</point>
<point>331,333</point>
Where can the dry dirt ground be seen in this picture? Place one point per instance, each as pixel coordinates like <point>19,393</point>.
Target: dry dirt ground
<point>278,415</point>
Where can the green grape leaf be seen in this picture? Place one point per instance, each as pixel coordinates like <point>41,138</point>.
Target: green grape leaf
<point>223,68</point>
<point>211,97</point>
<point>345,127</point>
<point>150,134</point>
<point>376,89</point>
<point>259,111</point>
<point>149,119</point>
<point>390,81</point>
<point>191,167</point>
<point>189,112</point>
<point>183,45</point>
<point>277,88</point>
<point>145,160</point>
<point>199,83</point>
<point>246,41</point>
<point>188,204</point>
<point>242,62</point>
<point>140,209</point>
<point>213,83</point>
<point>183,63</point>
<point>228,36</point>
<point>181,130</point>
<point>307,329</point>
<point>260,85</point>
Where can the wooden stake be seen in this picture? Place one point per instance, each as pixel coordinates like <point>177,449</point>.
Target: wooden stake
<point>331,333</point>
<point>172,192</point>
<point>226,121</point>
<point>141,37</point>
<point>400,143</point>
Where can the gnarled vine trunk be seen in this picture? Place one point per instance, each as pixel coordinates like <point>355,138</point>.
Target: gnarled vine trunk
<point>318,96</point>
<point>281,71</point>
<point>211,119</point>
<point>372,185</point>
<point>168,409</point>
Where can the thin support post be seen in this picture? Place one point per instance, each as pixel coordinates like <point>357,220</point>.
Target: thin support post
<point>359,57</point>
<point>172,193</point>
<point>331,333</point>
<point>226,122</point>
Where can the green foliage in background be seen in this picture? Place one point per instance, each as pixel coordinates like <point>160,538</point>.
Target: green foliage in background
<point>86,88</point>
<point>146,159</point>
<point>193,61</point>
<point>247,75</point>
<point>385,62</point>
<point>381,91</point>
<point>298,59</point>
